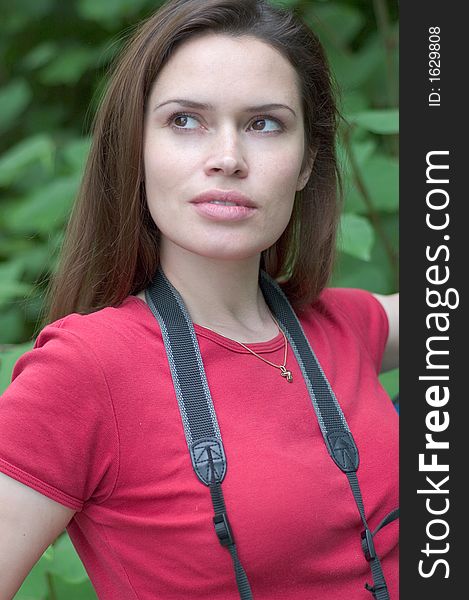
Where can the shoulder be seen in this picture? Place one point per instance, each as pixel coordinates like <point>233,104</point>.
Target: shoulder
<point>98,330</point>
<point>352,315</point>
<point>79,357</point>
<point>90,343</point>
<point>357,307</point>
<point>104,321</point>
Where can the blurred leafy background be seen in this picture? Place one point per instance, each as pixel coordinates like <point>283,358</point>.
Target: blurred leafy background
<point>54,59</point>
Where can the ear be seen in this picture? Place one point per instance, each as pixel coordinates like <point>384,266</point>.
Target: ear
<point>306,171</point>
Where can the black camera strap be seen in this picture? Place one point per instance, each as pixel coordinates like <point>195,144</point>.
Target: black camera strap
<point>200,421</point>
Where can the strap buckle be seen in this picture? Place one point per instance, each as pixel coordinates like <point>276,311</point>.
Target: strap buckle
<point>223,529</point>
<point>375,588</point>
<point>368,545</point>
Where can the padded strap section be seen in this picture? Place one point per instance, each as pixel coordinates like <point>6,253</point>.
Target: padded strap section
<point>336,433</point>
<point>200,422</point>
<point>190,382</point>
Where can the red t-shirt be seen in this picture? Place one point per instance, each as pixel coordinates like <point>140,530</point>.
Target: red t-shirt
<point>91,420</point>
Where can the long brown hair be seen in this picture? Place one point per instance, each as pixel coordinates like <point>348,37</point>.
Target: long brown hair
<point>110,248</point>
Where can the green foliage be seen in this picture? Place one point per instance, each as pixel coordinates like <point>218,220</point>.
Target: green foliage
<point>356,236</point>
<point>377,121</point>
<point>59,573</point>
<point>110,13</point>
<point>14,98</point>
<point>54,58</point>
<point>390,381</point>
<point>36,150</point>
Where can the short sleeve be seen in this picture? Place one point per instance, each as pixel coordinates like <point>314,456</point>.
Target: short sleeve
<point>365,316</point>
<point>58,432</point>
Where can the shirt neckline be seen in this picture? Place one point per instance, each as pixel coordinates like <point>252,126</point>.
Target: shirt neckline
<point>260,347</point>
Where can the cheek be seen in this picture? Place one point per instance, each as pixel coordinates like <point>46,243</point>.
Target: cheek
<point>166,167</point>
<point>283,188</point>
<point>284,168</point>
<point>281,180</point>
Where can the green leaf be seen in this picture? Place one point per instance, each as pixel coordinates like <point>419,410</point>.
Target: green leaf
<point>35,258</point>
<point>68,66</point>
<point>109,12</point>
<point>354,101</point>
<point>39,148</point>
<point>10,271</point>
<point>73,591</point>
<point>383,84</point>
<point>390,227</point>
<point>390,382</point>
<point>45,209</point>
<point>49,553</point>
<point>381,178</point>
<point>14,98</point>
<point>34,586</point>
<point>13,289</point>
<point>354,202</point>
<point>28,9</point>
<point>17,15</point>
<point>387,242</point>
<point>10,247</point>
<point>40,55</point>
<point>336,24</point>
<point>12,327</point>
<point>356,236</point>
<point>10,275</point>
<point>76,152</point>
<point>377,121</point>
<point>353,272</point>
<point>284,3</point>
<point>354,70</point>
<point>8,360</point>
<point>362,151</point>
<point>67,564</point>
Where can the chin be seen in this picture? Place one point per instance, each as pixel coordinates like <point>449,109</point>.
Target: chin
<point>227,252</point>
<point>229,255</point>
<point>224,247</point>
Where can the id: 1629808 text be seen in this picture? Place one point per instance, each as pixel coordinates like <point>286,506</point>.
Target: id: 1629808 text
<point>434,68</point>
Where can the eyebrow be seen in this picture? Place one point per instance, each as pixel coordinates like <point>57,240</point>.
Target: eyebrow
<point>204,106</point>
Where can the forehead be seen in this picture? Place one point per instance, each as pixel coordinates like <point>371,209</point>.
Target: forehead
<point>217,65</point>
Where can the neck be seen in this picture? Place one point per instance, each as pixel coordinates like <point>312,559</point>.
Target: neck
<point>223,295</point>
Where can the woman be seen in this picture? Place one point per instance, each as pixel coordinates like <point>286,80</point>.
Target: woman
<point>213,157</point>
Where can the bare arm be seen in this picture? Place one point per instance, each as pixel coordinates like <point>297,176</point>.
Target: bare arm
<point>29,523</point>
<point>390,304</point>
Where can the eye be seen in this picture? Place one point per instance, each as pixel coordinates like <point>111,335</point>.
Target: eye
<point>259,124</point>
<point>180,120</point>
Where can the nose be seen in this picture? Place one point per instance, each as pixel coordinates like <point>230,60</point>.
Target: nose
<point>226,155</point>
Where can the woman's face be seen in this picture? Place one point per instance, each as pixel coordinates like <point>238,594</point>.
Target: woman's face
<point>228,145</point>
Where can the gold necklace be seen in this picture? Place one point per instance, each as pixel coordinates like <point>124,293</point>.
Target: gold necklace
<point>283,369</point>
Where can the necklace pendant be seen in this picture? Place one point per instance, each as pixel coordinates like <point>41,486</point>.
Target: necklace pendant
<point>287,374</point>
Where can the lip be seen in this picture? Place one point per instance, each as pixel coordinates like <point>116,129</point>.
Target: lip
<point>243,209</point>
<point>225,196</point>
